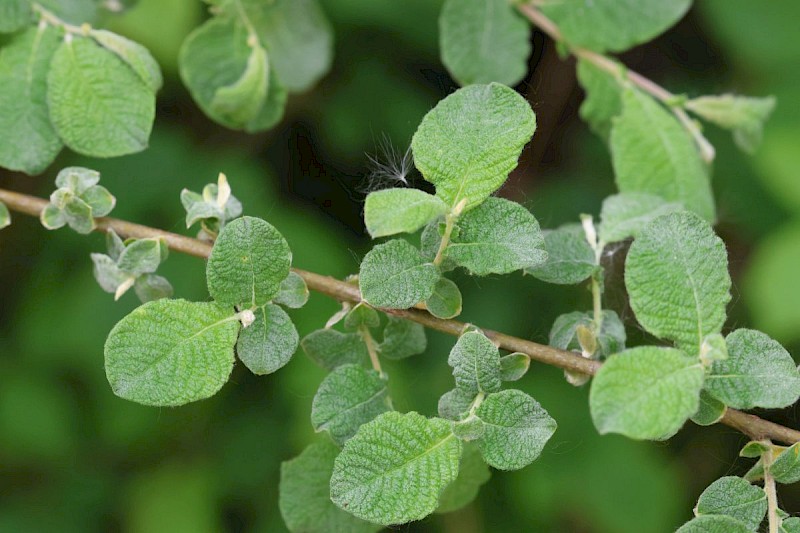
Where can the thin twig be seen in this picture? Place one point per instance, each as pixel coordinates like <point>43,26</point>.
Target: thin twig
<point>751,425</point>
<point>773,520</point>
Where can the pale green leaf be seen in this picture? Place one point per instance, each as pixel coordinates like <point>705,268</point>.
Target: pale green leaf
<point>710,410</point>
<point>134,54</point>
<point>625,215</point>
<point>743,115</point>
<point>613,25</point>
<point>100,200</point>
<point>513,366</point>
<point>73,11</point>
<point>790,525</point>
<point>517,428</point>
<point>330,348</point>
<point>445,302</point>
<point>713,349</point>
<point>471,140</point>
<point>611,339</point>
<point>304,494</point>
<point>676,274</point>
<point>476,364</point>
<point>149,287</point>
<point>645,392</point>
<point>497,237</point>
<point>347,398</point>
<point>469,429</point>
<point>361,315</point>
<point>472,473</point>
<point>5,216</point>
<point>14,15</point>
<point>653,153</point>
<point>114,244</point>
<point>402,338</point>
<point>274,106</point>
<point>77,179</point>
<point>603,99</point>
<point>714,524</point>
<point>99,106</point>
<point>107,273</point>
<point>570,259</point>
<point>392,211</point>
<point>240,102</point>
<point>28,141</point>
<point>142,256</point>
<point>431,239</point>
<point>78,215</point>
<point>249,261</point>
<point>754,448</point>
<point>758,372</point>
<point>483,41</point>
<point>733,496</point>
<point>171,352</point>
<point>52,217</point>
<point>395,468</point>
<point>293,292</point>
<point>786,467</point>
<point>394,275</point>
<point>454,404</point>
<point>269,342</point>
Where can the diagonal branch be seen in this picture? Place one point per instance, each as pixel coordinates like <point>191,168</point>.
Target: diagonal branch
<point>754,427</point>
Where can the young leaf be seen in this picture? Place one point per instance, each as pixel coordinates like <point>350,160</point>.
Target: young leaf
<point>786,467</point>
<point>171,352</point>
<point>758,372</point>
<point>453,404</point>
<point>570,259</point>
<point>645,392</point>
<point>714,524</point>
<point>476,364</point>
<point>394,275</point>
<point>653,153</point>
<point>677,278</point>
<point>513,366</point>
<point>613,25</point>
<point>469,429</point>
<point>5,216</point>
<point>516,429</point>
<point>402,338</point>
<point>149,287</point>
<point>733,496</point>
<point>361,315</point>
<point>625,215</point>
<point>790,525</point>
<point>497,237</point>
<point>269,342</point>
<point>472,473</point>
<point>348,398</point>
<point>710,410</point>
<point>611,339</point>
<point>28,142</point>
<point>241,101</point>
<point>14,14</point>
<point>445,302</point>
<point>107,274</point>
<point>100,200</point>
<point>141,256</point>
<point>745,116</point>
<point>395,468</point>
<point>603,99</point>
<point>330,348</point>
<point>754,448</point>
<point>471,140</point>
<point>134,54</point>
<point>99,106</point>
<point>304,494</point>
<point>483,41</point>
<point>293,292</point>
<point>249,261</point>
<point>392,211</point>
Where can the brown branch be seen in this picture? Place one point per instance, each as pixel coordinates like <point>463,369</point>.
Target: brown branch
<point>751,425</point>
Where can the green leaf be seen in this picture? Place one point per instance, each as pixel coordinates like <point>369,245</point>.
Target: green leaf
<point>293,292</point>
<point>77,179</point>
<point>142,256</point>
<point>304,494</point>
<point>645,392</point>
<point>347,398</point>
<point>713,349</point>
<point>613,25</point>
<point>790,525</point>
<point>483,41</point>
<point>330,348</point>
<point>786,467</point>
<point>249,261</point>
<point>611,339</point>
<point>100,200</point>
<point>52,217</point>
<point>472,473</point>
<point>134,54</point>
<point>676,274</point>
<point>171,352</point>
<point>107,274</point>
<point>445,302</point>
<point>653,153</point>
<point>517,428</point>
<point>240,102</point>
<point>28,142</point>
<point>14,15</point>
<point>394,275</point>
<point>269,342</point>
<point>73,11</point>
<point>5,216</point>
<point>402,338</point>
<point>149,287</point>
<point>714,524</point>
<point>513,366</point>
<point>395,468</point>
<point>625,215</point>
<point>758,372</point>
<point>497,237</point>
<point>603,99</point>
<point>733,496</point>
<point>754,448</point>
<point>454,404</point>
<point>471,140</point>
<point>78,215</point>
<point>570,259</point>
<point>99,106</point>
<point>392,211</point>
<point>469,429</point>
<point>745,116</point>
<point>274,106</point>
<point>710,410</point>
<point>361,315</point>
<point>476,364</point>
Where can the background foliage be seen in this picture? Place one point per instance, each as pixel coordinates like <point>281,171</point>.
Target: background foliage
<point>73,457</point>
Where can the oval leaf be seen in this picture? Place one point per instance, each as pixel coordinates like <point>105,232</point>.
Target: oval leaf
<point>269,342</point>
<point>394,275</point>
<point>476,364</point>
<point>733,496</point>
<point>392,211</point>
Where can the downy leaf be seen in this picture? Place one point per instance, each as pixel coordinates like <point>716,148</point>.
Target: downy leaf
<point>107,273</point>
<point>603,99</point>
<point>710,410</point>
<point>733,496</point>
<point>330,348</point>
<point>476,364</point>
<point>392,211</point>
<point>394,275</point>
<point>714,524</point>
<point>625,215</point>
<point>293,292</point>
<point>611,339</point>
<point>744,116</point>
<point>361,315</point>
<point>240,102</point>
<point>786,467</point>
<point>134,54</point>
<point>570,259</point>
<point>454,404</point>
<point>269,342</point>
<point>149,287</point>
<point>402,338</point>
<point>513,366</point>
<point>142,256</point>
<point>472,473</point>
<point>445,302</point>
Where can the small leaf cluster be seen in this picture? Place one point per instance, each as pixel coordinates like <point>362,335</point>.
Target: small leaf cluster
<point>213,208</point>
<point>77,201</point>
<point>68,84</point>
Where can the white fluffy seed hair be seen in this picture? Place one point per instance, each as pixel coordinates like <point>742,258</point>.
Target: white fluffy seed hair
<point>388,167</point>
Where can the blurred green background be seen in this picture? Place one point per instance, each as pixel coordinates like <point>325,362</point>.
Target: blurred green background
<point>73,457</point>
